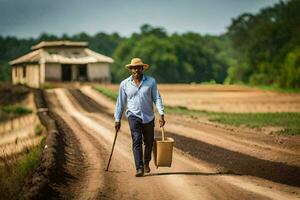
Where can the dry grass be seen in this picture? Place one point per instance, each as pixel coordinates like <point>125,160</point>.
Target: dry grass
<point>17,160</point>
<point>12,94</point>
<point>15,168</point>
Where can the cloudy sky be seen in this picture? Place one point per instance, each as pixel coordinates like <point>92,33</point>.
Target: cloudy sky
<point>29,18</point>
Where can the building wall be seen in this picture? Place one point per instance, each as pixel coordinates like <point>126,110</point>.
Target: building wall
<point>14,75</point>
<point>52,72</point>
<point>42,73</point>
<point>74,72</point>
<point>98,72</point>
<point>27,74</point>
<point>32,78</point>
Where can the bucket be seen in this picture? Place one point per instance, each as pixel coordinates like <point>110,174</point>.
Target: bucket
<point>163,151</point>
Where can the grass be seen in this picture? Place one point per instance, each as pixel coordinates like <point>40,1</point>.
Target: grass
<point>38,130</point>
<point>289,122</point>
<point>278,89</point>
<point>16,169</point>
<point>47,86</point>
<point>9,112</point>
<point>16,109</point>
<point>273,88</point>
<point>107,92</point>
<point>31,160</point>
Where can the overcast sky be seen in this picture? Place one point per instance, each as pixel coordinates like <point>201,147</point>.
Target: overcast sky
<point>29,18</point>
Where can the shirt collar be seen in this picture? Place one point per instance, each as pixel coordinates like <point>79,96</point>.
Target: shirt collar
<point>143,79</point>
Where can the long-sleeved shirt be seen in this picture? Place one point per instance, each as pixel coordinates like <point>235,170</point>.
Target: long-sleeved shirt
<point>139,99</point>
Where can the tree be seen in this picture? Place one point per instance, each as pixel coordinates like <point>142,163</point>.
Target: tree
<point>264,43</point>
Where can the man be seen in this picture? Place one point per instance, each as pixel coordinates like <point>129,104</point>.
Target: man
<point>139,92</point>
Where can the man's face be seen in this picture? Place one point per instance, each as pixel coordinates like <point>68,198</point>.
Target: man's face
<point>136,71</point>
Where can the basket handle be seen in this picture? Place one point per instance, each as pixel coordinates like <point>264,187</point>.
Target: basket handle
<point>163,133</point>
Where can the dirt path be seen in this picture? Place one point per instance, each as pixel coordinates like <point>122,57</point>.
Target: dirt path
<point>189,178</point>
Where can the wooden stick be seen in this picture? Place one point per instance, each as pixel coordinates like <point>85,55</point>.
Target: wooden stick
<point>112,150</point>
<point>163,133</point>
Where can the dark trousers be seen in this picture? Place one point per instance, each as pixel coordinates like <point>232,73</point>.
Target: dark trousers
<point>141,132</point>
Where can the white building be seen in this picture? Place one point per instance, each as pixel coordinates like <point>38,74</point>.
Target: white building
<point>60,61</point>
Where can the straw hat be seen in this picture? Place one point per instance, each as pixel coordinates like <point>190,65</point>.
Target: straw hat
<point>137,62</point>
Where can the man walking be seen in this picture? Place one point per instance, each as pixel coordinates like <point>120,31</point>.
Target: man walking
<point>138,92</point>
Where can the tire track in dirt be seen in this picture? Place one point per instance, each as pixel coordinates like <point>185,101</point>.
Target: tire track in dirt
<point>108,187</point>
<point>71,161</point>
<point>239,163</point>
<point>62,161</point>
<point>88,104</point>
<point>260,144</point>
<point>92,182</point>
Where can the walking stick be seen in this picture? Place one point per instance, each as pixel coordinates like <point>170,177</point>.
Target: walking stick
<point>112,150</point>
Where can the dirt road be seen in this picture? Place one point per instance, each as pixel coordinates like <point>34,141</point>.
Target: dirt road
<point>209,162</point>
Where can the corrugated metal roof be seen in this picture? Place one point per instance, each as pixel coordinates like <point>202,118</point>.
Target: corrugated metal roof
<point>83,56</point>
<point>59,43</point>
<point>31,57</point>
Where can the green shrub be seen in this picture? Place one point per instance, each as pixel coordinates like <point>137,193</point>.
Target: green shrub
<point>107,92</point>
<point>289,122</point>
<point>16,109</point>
<point>16,168</point>
<point>38,130</point>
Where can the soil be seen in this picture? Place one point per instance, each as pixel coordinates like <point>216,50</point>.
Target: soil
<point>226,98</point>
<point>21,134</point>
<point>209,161</point>
<point>11,94</point>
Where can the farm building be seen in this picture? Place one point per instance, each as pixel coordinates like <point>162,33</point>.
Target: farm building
<point>60,61</point>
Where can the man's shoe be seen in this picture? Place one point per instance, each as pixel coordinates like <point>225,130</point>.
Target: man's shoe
<point>147,168</point>
<point>139,173</point>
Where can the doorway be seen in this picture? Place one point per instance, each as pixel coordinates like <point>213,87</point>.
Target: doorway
<point>82,73</point>
<point>66,72</point>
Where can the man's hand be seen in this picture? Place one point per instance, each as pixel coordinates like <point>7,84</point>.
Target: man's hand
<point>117,126</point>
<point>162,121</point>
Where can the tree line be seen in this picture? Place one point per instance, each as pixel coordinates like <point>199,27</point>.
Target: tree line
<point>261,49</point>
<point>268,46</point>
<point>12,47</point>
<point>175,58</point>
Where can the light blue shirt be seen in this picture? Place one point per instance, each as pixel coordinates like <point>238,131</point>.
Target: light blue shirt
<point>139,99</point>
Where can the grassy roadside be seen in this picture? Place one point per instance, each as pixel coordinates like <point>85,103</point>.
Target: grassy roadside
<point>14,170</point>
<point>10,111</point>
<point>272,88</point>
<point>16,109</point>
<point>107,92</point>
<point>278,89</point>
<point>290,122</point>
